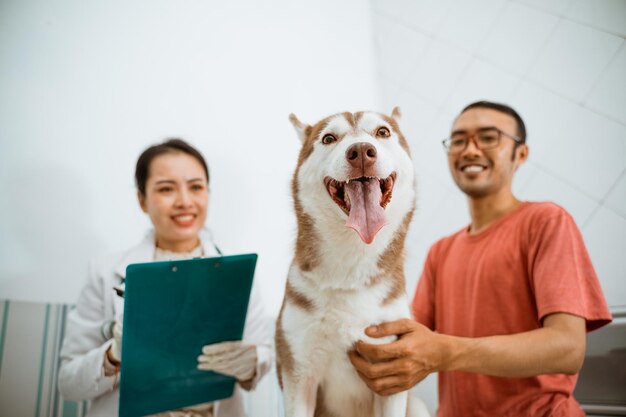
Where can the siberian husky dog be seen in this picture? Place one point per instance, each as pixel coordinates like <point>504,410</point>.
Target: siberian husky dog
<point>354,196</point>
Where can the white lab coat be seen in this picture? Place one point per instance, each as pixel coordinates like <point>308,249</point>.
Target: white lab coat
<point>81,376</point>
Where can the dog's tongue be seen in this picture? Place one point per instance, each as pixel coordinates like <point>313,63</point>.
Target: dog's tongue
<point>367,217</point>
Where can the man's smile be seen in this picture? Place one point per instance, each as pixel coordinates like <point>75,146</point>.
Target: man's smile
<point>473,168</point>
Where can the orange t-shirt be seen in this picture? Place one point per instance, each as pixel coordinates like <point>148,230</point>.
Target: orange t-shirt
<point>528,264</point>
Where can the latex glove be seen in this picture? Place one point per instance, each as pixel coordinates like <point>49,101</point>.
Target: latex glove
<point>237,359</point>
<point>116,346</point>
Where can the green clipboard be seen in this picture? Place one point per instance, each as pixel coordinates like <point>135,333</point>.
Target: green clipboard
<point>171,310</point>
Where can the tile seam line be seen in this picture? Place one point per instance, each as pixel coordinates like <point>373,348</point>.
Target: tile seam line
<point>602,73</point>
<point>575,102</point>
<point>561,178</point>
<point>573,20</point>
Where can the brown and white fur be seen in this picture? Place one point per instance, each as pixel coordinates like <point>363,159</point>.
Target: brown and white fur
<point>343,279</point>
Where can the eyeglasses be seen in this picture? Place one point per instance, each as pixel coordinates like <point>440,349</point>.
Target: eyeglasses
<point>486,138</point>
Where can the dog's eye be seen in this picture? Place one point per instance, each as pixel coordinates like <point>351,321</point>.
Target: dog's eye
<point>328,139</point>
<point>383,132</point>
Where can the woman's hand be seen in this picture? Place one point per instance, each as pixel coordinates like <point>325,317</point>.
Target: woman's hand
<point>113,355</point>
<point>237,359</point>
<point>116,346</point>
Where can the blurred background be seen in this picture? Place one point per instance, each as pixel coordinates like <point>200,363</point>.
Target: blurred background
<point>86,86</point>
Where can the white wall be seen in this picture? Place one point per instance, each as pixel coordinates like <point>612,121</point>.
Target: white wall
<point>561,64</point>
<point>86,86</point>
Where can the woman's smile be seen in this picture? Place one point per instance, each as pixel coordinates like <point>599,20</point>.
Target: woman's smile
<point>185,219</point>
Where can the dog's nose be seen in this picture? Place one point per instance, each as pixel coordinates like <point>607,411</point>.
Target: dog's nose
<point>361,155</point>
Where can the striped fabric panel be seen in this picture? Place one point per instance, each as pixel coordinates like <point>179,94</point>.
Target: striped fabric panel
<point>31,335</point>
<point>30,341</point>
<point>4,310</point>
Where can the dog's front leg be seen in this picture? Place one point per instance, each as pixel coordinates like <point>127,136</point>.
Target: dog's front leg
<point>391,406</point>
<point>300,398</point>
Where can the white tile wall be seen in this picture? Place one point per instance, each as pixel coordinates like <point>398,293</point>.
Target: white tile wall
<point>608,96</point>
<point>561,64</point>
<point>422,15</point>
<point>417,115</point>
<point>523,177</point>
<point>430,197</point>
<point>556,7</point>
<point>482,80</point>
<point>610,15</point>
<point>399,51</point>
<point>415,252</point>
<point>605,236</point>
<point>438,71</point>
<point>511,44</point>
<point>534,103</point>
<point>432,154</point>
<point>443,123</point>
<point>545,187</point>
<point>388,92</point>
<point>589,152</point>
<point>385,36</point>
<point>468,22</point>
<point>452,215</point>
<point>443,215</point>
<point>573,58</point>
<point>616,199</point>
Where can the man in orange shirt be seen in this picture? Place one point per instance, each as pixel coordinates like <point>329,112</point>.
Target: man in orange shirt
<point>503,305</point>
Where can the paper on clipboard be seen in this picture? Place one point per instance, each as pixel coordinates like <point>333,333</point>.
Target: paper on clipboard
<point>171,310</point>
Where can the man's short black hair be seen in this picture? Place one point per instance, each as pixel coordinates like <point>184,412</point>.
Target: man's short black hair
<point>503,108</point>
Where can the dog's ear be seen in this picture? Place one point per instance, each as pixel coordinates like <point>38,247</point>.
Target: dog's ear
<point>302,129</point>
<point>396,113</point>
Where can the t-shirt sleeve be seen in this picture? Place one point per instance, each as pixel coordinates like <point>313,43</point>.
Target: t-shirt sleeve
<point>423,305</point>
<point>562,276</point>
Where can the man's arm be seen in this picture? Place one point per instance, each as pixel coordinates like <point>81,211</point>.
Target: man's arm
<point>557,347</point>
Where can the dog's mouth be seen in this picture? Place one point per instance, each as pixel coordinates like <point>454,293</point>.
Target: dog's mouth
<point>364,200</point>
<point>337,189</point>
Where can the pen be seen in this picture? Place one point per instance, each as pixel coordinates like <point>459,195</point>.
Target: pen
<point>119,291</point>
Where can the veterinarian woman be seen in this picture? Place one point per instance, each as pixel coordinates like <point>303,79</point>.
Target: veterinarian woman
<point>173,190</point>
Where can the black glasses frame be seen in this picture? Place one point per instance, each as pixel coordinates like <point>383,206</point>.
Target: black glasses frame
<point>447,142</point>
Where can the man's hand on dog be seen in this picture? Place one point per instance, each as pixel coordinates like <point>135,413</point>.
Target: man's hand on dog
<point>394,367</point>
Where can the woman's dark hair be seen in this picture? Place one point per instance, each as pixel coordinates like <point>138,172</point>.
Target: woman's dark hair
<point>142,170</point>
<point>503,108</point>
